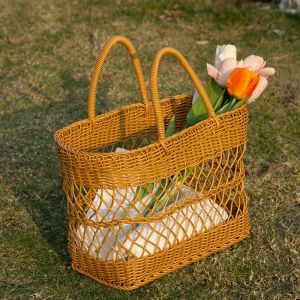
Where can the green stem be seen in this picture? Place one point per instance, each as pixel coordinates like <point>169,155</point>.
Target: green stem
<point>161,198</point>
<point>233,103</point>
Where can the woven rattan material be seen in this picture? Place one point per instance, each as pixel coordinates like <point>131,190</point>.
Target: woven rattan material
<point>135,273</point>
<point>199,173</point>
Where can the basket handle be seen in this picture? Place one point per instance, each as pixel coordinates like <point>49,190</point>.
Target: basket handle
<point>99,67</point>
<point>154,89</point>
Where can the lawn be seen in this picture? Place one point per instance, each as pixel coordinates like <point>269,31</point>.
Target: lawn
<point>48,50</point>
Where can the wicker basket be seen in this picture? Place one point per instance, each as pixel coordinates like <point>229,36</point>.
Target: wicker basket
<point>125,238</point>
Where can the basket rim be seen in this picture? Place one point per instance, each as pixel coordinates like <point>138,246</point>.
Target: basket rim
<point>75,151</point>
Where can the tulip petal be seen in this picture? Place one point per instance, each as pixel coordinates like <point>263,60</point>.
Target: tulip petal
<point>261,86</point>
<point>241,83</point>
<point>253,62</point>
<point>225,69</point>
<point>266,72</point>
<point>223,52</point>
<point>251,87</point>
<point>240,64</point>
<point>222,79</point>
<point>212,71</point>
<point>227,65</point>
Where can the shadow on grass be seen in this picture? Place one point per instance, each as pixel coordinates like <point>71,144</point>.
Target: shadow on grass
<point>30,163</point>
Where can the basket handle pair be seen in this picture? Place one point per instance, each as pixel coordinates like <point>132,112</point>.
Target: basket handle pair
<point>141,81</point>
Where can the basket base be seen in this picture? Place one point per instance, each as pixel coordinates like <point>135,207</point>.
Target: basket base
<point>138,272</point>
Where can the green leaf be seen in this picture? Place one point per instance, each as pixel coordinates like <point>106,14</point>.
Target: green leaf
<point>171,129</point>
<point>196,113</point>
<point>224,109</point>
<point>219,101</point>
<point>214,91</point>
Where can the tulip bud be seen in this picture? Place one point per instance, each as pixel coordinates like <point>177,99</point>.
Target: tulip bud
<point>223,52</point>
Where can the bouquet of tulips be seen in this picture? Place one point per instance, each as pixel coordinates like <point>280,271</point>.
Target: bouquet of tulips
<point>232,83</point>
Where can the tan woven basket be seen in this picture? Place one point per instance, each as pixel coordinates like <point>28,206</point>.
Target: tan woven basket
<point>195,202</point>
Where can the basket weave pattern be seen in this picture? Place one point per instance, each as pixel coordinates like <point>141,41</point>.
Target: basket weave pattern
<point>206,211</point>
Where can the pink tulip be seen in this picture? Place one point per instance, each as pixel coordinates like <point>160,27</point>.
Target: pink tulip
<point>256,64</point>
<point>261,86</point>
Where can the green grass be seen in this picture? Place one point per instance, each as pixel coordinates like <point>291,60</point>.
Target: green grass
<point>48,50</point>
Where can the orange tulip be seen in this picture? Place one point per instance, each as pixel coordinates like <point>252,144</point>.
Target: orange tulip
<point>242,82</point>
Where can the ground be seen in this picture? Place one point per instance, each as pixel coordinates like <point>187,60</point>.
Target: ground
<point>48,50</point>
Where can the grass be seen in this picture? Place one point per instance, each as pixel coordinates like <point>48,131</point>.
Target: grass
<point>48,50</point>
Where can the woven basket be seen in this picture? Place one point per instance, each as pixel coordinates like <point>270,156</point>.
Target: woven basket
<point>125,241</point>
